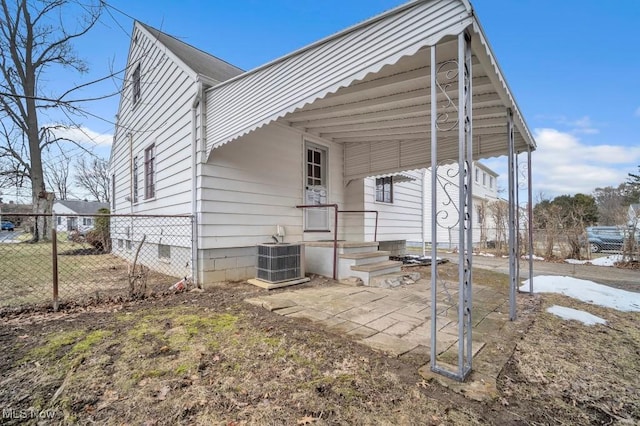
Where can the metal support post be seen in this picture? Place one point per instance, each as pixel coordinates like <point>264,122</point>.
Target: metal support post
<point>465,158</point>
<point>434,210</point>
<point>54,262</point>
<point>530,214</point>
<point>517,211</point>
<point>465,207</point>
<point>512,217</point>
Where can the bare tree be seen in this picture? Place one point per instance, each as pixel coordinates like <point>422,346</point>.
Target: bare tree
<point>30,44</point>
<point>499,213</point>
<point>612,203</point>
<point>93,176</point>
<point>57,176</point>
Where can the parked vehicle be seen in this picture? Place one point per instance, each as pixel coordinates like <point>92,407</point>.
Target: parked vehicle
<point>7,226</point>
<point>608,237</point>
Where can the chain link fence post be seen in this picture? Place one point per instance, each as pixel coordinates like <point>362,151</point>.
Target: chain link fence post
<point>54,261</point>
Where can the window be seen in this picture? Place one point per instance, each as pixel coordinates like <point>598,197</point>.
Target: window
<point>477,175</point>
<point>128,243</point>
<point>113,192</point>
<point>59,218</point>
<point>384,189</point>
<point>316,161</point>
<point>87,221</point>
<point>149,172</point>
<point>164,251</point>
<point>136,85</point>
<point>135,180</point>
<point>120,243</point>
<point>491,182</point>
<point>484,179</point>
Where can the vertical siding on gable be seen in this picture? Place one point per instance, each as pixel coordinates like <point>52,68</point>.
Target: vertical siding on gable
<point>161,117</point>
<point>253,184</point>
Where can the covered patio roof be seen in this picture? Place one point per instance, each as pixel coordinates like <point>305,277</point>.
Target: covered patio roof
<point>368,87</point>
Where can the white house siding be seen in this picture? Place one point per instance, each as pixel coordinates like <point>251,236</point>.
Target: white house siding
<point>400,220</point>
<point>248,188</point>
<point>354,223</point>
<point>162,117</point>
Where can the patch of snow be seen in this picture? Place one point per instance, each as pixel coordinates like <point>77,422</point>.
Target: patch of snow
<point>485,254</point>
<point>600,261</point>
<point>575,314</point>
<point>586,291</point>
<point>607,261</point>
<point>526,257</point>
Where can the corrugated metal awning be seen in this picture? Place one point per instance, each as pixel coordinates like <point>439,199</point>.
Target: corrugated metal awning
<point>368,88</point>
<point>397,177</point>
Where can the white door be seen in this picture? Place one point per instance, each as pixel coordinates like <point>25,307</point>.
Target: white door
<point>316,219</point>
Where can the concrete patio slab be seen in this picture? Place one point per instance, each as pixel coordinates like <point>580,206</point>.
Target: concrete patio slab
<point>398,320</point>
<point>390,344</point>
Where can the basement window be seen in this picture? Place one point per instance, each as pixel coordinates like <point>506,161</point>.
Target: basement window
<point>164,251</point>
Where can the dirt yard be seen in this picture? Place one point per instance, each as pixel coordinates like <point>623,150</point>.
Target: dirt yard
<point>210,358</point>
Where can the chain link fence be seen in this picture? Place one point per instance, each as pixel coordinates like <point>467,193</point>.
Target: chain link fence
<point>548,244</point>
<point>86,259</point>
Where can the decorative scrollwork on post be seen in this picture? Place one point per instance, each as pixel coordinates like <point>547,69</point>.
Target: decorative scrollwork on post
<point>448,116</point>
<point>447,182</point>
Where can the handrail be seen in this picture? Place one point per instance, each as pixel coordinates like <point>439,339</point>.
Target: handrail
<point>335,231</point>
<point>375,231</point>
<point>335,227</point>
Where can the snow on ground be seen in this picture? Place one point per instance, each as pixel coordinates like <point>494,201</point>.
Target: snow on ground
<point>526,257</point>
<point>575,314</point>
<point>485,254</point>
<point>600,261</point>
<point>586,291</point>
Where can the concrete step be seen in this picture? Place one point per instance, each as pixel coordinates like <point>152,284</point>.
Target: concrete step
<point>364,258</point>
<point>378,268</point>
<point>346,247</point>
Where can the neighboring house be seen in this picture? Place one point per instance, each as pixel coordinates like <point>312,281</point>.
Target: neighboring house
<point>76,215</point>
<point>633,215</point>
<point>344,121</point>
<point>485,192</point>
<point>404,199</point>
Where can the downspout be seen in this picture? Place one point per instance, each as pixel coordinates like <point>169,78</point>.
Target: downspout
<point>196,130</point>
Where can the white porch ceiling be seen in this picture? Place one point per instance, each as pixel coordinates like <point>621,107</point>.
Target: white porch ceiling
<point>369,89</point>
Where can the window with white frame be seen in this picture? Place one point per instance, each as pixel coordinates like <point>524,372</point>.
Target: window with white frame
<point>113,192</point>
<point>484,179</point>
<point>384,189</point>
<point>87,221</point>
<point>137,93</point>
<point>135,180</point>
<point>491,182</point>
<point>477,174</point>
<point>149,172</point>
